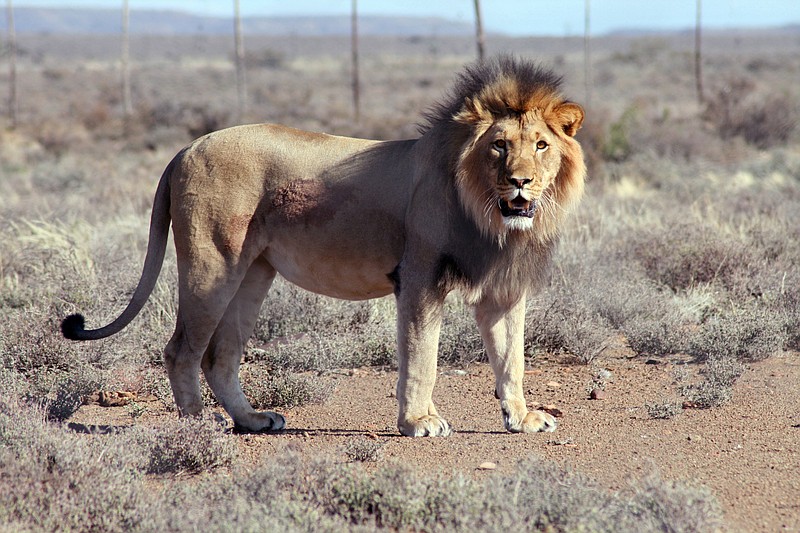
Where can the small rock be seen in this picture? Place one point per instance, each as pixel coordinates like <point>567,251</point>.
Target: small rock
<point>487,465</point>
<point>553,384</point>
<point>534,372</point>
<point>597,394</point>
<point>552,410</point>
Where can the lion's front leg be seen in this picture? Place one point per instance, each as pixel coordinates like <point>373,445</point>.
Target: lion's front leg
<point>419,319</point>
<point>502,329</point>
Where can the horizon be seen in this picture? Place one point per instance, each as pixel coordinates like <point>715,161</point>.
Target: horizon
<point>564,19</point>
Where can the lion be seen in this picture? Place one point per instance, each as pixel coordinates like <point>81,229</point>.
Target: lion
<point>474,204</point>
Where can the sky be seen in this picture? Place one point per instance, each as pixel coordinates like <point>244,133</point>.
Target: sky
<point>514,17</point>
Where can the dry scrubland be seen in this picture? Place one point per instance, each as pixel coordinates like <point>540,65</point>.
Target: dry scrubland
<point>685,249</point>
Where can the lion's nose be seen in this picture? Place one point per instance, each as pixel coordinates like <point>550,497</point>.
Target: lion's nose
<point>518,182</point>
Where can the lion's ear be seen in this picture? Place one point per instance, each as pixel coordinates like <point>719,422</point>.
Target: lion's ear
<point>570,117</point>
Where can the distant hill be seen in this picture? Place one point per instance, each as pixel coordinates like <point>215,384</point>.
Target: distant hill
<point>109,21</point>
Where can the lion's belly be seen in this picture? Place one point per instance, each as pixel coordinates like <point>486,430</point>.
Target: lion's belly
<point>332,274</point>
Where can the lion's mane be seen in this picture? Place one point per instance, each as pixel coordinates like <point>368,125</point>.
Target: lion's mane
<point>485,92</point>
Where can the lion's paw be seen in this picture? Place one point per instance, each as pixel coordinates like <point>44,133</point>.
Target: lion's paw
<point>425,426</point>
<point>533,422</point>
<point>260,422</point>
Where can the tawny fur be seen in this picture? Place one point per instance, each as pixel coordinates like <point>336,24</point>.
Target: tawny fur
<point>475,204</point>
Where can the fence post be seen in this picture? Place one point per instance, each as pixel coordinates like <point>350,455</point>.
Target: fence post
<point>241,76</point>
<point>13,103</point>
<point>480,39</point>
<point>354,59</point>
<point>127,105</point>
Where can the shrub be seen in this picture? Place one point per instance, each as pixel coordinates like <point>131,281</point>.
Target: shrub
<point>617,145</point>
<point>566,324</point>
<point>685,255</point>
<point>460,342</point>
<point>735,109</point>
<point>280,388</point>
<point>68,393</point>
<point>327,351</point>
<point>716,388</point>
<point>673,506</point>
<point>655,335</point>
<point>188,445</point>
<point>751,334</point>
<point>53,480</point>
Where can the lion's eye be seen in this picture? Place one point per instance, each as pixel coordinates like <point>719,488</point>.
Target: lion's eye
<point>500,144</point>
<point>541,145</point>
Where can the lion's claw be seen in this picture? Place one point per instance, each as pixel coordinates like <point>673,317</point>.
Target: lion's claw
<point>533,422</point>
<point>426,426</point>
<point>265,422</point>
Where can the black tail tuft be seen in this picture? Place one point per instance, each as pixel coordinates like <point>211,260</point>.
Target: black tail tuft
<point>72,327</point>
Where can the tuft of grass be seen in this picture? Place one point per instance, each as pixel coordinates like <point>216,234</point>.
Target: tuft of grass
<point>663,410</point>
<point>364,450</point>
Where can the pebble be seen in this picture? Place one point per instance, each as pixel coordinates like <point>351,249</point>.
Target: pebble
<point>487,465</point>
<point>552,410</point>
<point>553,384</point>
<point>598,394</point>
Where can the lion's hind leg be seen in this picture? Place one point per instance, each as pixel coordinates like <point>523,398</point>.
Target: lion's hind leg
<point>223,355</point>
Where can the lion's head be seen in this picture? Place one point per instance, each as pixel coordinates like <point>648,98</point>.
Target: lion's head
<point>519,168</point>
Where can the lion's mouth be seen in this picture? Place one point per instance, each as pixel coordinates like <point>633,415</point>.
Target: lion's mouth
<point>518,207</point>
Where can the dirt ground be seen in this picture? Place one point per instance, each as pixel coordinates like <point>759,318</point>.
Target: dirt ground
<point>747,452</point>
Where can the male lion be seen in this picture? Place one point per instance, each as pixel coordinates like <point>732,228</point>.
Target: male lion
<point>475,204</point>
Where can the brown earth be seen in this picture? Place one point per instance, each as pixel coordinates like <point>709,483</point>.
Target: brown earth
<point>747,452</point>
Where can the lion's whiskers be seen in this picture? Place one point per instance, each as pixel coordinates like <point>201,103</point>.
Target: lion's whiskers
<point>550,206</point>
<point>491,201</point>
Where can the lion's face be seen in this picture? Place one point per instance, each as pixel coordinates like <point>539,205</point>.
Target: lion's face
<point>522,160</point>
<point>519,169</point>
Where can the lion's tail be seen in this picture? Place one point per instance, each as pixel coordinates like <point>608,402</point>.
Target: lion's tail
<point>73,326</point>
